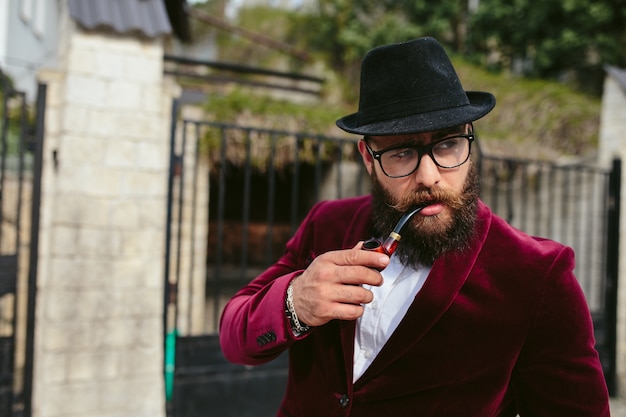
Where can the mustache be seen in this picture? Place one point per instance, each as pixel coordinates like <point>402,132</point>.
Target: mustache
<point>422,197</point>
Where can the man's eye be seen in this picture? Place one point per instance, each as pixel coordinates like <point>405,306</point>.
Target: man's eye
<point>448,144</point>
<point>399,154</point>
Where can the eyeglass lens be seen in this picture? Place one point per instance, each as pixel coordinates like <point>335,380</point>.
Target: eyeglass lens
<point>448,153</point>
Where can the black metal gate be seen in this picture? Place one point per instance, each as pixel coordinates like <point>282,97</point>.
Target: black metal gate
<point>20,167</point>
<point>237,193</point>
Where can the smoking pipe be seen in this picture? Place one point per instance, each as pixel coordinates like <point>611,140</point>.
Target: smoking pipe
<point>389,245</point>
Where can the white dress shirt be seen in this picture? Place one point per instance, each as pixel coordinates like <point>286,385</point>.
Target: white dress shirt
<point>391,301</point>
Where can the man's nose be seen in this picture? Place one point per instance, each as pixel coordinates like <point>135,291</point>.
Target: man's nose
<point>427,173</point>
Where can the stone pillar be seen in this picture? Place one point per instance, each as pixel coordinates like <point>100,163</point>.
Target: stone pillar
<point>612,145</point>
<point>99,320</point>
<point>189,244</point>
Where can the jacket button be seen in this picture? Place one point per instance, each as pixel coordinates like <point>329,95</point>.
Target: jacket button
<point>265,338</point>
<point>344,400</point>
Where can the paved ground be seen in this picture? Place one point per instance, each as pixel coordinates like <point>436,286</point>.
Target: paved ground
<point>618,407</point>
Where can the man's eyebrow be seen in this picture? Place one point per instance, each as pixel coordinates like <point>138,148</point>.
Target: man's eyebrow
<point>457,130</point>
<point>415,141</point>
<point>436,136</point>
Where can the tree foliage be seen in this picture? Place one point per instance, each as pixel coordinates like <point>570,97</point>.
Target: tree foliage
<point>570,40</point>
<point>567,40</point>
<point>558,39</point>
<point>343,31</point>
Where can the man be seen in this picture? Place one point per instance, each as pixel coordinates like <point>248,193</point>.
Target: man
<point>469,317</point>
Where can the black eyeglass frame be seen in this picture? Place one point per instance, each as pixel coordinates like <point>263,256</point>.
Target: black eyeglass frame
<point>421,151</point>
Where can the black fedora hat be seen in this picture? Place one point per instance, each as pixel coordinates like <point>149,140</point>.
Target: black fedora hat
<point>412,87</point>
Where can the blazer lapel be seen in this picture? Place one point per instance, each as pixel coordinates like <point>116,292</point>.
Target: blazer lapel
<point>446,278</point>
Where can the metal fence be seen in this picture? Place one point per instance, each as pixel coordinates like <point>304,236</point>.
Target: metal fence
<point>20,174</point>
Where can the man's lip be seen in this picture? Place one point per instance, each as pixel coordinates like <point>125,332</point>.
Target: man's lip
<point>432,209</point>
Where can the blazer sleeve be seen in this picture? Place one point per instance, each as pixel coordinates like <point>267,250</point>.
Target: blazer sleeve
<point>254,328</point>
<point>558,372</point>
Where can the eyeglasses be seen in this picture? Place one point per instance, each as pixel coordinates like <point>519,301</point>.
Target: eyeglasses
<point>403,160</point>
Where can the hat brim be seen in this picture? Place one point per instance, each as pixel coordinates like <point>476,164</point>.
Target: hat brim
<point>481,103</point>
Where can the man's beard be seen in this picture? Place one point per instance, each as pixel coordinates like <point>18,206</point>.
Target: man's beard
<point>425,238</point>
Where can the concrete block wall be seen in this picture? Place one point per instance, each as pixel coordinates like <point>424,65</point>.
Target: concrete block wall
<point>612,145</point>
<point>99,332</point>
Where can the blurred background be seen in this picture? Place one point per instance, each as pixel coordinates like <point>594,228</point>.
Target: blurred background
<point>156,155</point>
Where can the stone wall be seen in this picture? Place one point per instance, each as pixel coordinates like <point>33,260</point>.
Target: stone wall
<point>99,333</point>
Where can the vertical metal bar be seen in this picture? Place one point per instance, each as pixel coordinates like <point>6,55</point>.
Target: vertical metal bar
<point>539,207</point>
<point>295,185</point>
<point>573,202</point>
<point>34,250</point>
<point>339,184</point>
<point>363,172</point>
<point>179,219</point>
<point>271,200</point>
<point>221,202</point>
<point>578,222</point>
<point>246,207</point>
<point>6,121</point>
<point>168,220</point>
<point>477,159</point>
<point>172,306</point>
<point>192,231</point>
<point>318,167</point>
<point>565,209</point>
<point>585,235</point>
<point>525,203</point>
<point>551,199</point>
<point>496,184</point>
<point>612,269</point>
<point>511,167</point>
<point>169,302</point>
<point>21,151</point>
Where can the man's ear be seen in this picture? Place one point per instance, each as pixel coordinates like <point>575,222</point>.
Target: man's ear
<point>368,161</point>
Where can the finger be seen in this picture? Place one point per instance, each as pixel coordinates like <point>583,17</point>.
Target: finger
<point>347,311</point>
<point>335,311</point>
<point>352,294</point>
<point>357,275</point>
<point>362,257</point>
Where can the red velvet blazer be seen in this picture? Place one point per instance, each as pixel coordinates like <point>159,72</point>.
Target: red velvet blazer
<point>497,330</point>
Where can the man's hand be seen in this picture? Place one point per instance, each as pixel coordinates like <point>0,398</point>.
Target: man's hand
<point>330,288</point>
